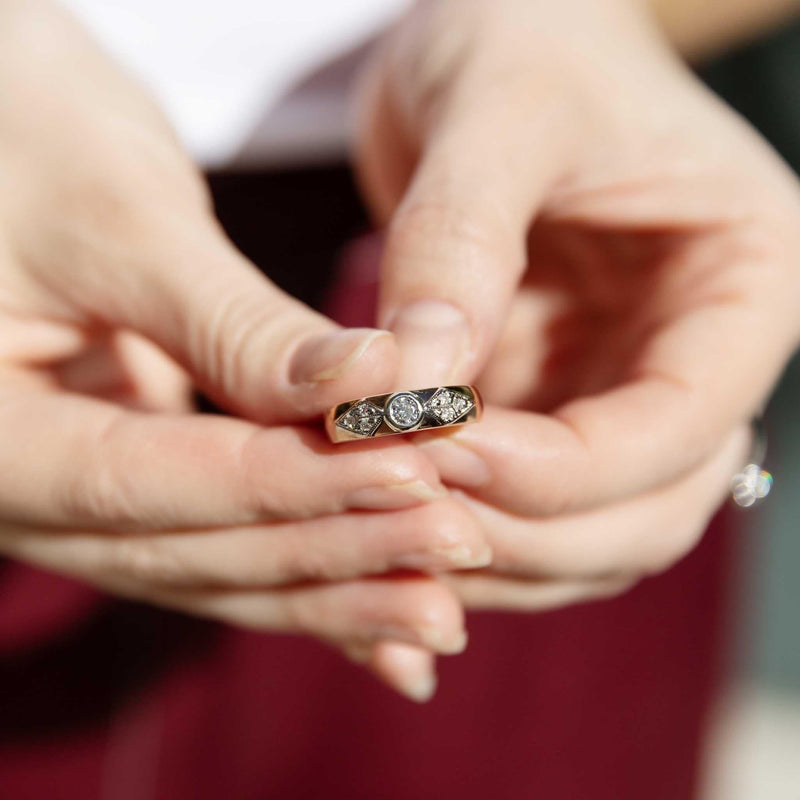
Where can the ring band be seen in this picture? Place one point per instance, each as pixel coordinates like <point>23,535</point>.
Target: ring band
<point>403,412</point>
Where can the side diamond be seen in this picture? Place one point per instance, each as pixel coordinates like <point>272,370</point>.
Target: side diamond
<point>447,406</point>
<point>362,419</point>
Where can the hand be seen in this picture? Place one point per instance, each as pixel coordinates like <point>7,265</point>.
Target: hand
<point>117,291</point>
<point>579,225</point>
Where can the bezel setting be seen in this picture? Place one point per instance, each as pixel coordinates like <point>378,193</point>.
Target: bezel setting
<point>403,412</point>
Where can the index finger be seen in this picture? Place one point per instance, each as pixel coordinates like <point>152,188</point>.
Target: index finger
<point>70,461</point>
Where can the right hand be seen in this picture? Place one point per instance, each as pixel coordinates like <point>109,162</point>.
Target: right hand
<point>118,291</point>
<point>609,252</point>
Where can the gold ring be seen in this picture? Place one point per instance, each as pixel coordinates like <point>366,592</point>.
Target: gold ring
<point>403,412</point>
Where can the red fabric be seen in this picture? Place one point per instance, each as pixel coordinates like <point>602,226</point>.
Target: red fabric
<point>110,700</point>
<point>602,702</point>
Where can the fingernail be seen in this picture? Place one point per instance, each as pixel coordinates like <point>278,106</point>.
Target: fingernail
<point>419,688</point>
<point>328,357</point>
<point>456,463</point>
<point>426,636</point>
<point>399,495</point>
<point>457,556</point>
<point>465,557</point>
<point>434,341</point>
<point>445,643</point>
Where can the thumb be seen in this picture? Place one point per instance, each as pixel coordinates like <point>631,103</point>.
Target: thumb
<point>253,349</point>
<point>456,245</point>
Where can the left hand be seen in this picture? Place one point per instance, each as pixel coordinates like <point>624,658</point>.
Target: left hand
<point>578,225</point>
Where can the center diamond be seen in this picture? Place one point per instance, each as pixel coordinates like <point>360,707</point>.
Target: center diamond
<point>403,411</point>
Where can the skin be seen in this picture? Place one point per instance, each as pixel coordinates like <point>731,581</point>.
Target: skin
<point>702,27</point>
<point>597,257</point>
<point>608,251</point>
<point>118,292</point>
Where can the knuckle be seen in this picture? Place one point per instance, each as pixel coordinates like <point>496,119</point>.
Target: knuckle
<point>265,492</point>
<point>425,70</point>
<point>438,524</point>
<point>244,339</point>
<point>308,564</point>
<point>561,490</point>
<point>299,613</point>
<point>473,230</point>
<point>430,605</point>
<point>148,562</point>
<point>100,488</point>
<point>556,498</point>
<point>228,339</point>
<point>398,464</point>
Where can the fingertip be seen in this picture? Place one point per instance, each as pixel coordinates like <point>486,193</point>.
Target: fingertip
<point>330,356</point>
<point>419,611</point>
<point>450,533</point>
<point>439,617</point>
<point>457,463</point>
<point>409,670</point>
<point>398,465</point>
<point>342,365</point>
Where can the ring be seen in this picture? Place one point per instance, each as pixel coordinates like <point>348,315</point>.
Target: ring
<point>753,483</point>
<point>403,412</point>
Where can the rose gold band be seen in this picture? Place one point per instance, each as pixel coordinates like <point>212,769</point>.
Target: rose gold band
<point>403,412</point>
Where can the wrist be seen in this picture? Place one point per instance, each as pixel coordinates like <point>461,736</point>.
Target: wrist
<point>699,28</point>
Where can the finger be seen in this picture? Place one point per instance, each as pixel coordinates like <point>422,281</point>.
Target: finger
<point>456,245</point>
<point>384,157</point>
<point>409,670</point>
<point>100,466</point>
<point>252,348</point>
<point>438,536</point>
<point>643,535</point>
<point>418,611</point>
<point>414,610</point>
<point>127,369</point>
<point>487,592</point>
<point>699,377</point>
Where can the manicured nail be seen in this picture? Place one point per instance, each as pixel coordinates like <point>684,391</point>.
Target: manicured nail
<point>328,357</point>
<point>457,556</point>
<point>399,495</point>
<point>456,463</point>
<point>434,341</point>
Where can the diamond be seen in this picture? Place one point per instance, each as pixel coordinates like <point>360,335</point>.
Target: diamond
<point>751,485</point>
<point>447,406</point>
<point>403,411</point>
<point>362,419</point>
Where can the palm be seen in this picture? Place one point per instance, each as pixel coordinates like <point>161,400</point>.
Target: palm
<point>589,304</point>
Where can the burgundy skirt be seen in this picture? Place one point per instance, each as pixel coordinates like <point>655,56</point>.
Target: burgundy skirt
<point>106,699</point>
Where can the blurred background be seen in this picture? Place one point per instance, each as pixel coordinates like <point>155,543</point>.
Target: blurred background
<point>756,750</point>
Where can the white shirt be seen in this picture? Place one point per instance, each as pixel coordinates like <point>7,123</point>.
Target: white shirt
<point>253,82</point>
